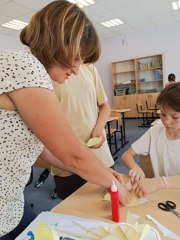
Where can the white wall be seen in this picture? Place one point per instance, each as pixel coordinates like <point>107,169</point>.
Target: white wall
<point>163,40</point>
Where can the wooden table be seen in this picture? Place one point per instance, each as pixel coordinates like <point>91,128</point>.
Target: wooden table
<point>87,202</point>
<point>111,119</point>
<point>122,112</point>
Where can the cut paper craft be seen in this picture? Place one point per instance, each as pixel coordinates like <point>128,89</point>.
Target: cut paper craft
<point>132,218</point>
<point>126,231</point>
<point>134,201</point>
<point>101,231</point>
<point>92,141</point>
<point>43,231</point>
<point>111,237</point>
<point>120,231</point>
<point>117,231</point>
<point>53,226</point>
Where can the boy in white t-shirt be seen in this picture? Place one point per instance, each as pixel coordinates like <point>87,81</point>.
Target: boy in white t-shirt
<point>162,143</point>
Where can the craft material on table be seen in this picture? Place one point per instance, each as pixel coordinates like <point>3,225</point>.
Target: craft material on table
<point>134,201</point>
<point>165,231</point>
<point>68,227</point>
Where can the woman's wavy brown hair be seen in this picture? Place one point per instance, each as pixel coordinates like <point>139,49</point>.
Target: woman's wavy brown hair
<point>61,33</point>
<point>170,97</point>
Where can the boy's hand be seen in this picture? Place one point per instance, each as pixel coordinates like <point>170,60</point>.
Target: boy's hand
<point>136,174</point>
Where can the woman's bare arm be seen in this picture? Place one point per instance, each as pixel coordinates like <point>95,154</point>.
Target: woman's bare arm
<point>40,110</point>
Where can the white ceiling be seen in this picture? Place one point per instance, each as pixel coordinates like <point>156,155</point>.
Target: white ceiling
<point>137,15</point>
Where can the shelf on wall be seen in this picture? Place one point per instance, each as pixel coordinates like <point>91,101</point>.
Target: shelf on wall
<point>153,81</point>
<point>148,69</point>
<point>130,72</point>
<point>124,72</point>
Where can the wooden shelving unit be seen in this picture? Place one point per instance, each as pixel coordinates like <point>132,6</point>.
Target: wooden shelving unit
<point>141,76</point>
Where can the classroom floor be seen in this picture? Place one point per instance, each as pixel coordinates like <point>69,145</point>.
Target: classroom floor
<point>41,197</point>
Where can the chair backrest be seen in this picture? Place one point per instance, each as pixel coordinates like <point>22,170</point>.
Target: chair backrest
<point>147,104</point>
<point>151,108</point>
<point>139,107</point>
<point>145,164</point>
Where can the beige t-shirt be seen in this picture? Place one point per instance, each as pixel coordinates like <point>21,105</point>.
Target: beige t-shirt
<point>80,97</point>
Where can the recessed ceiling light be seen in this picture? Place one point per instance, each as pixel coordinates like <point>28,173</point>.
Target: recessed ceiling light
<point>82,3</point>
<point>112,22</point>
<point>175,5</point>
<point>15,24</point>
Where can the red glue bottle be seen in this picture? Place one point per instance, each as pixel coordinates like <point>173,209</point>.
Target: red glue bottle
<point>114,203</point>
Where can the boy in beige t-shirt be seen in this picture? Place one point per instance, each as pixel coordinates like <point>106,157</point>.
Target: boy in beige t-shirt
<point>85,106</point>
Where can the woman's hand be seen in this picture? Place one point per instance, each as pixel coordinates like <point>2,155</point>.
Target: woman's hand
<point>136,174</point>
<point>124,195</point>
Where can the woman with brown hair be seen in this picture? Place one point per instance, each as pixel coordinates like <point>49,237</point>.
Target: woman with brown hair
<point>58,38</point>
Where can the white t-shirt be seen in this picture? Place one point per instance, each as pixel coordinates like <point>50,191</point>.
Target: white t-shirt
<point>164,153</point>
<point>80,97</point>
<point>19,147</point>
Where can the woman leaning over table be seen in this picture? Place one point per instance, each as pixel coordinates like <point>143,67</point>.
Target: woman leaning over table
<point>57,39</point>
<point>162,143</point>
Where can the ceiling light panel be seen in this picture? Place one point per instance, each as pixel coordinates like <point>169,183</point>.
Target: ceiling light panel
<point>15,24</point>
<point>112,22</point>
<point>175,5</point>
<point>82,3</point>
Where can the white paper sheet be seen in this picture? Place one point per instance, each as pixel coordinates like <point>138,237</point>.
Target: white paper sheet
<point>70,224</point>
<point>62,221</point>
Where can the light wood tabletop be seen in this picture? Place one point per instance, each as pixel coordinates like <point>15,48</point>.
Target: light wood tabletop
<point>88,202</point>
<point>122,110</point>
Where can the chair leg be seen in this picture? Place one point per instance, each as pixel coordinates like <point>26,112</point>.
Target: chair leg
<point>145,120</point>
<point>115,141</point>
<point>122,136</point>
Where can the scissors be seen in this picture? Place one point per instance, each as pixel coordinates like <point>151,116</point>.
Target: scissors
<point>169,206</point>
